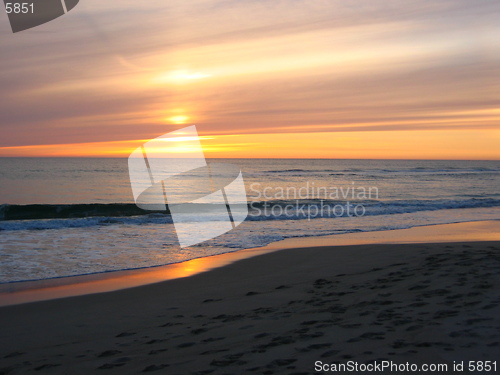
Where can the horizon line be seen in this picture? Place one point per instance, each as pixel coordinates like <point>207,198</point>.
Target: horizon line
<point>246,158</point>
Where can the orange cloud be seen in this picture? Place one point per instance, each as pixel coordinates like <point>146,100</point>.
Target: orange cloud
<point>431,144</point>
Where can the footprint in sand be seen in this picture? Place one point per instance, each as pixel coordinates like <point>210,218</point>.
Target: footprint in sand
<point>46,366</point>
<point>14,354</point>
<point>125,334</point>
<point>108,353</point>
<point>283,287</point>
<point>109,366</point>
<point>151,368</point>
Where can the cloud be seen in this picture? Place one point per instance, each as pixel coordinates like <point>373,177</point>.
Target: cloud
<point>267,67</point>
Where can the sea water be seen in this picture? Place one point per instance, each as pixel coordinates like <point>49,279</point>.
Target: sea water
<point>84,219</point>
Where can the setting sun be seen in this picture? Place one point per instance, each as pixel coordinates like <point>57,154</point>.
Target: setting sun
<point>178,119</point>
<point>180,77</point>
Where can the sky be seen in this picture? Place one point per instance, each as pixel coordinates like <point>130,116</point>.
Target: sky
<point>259,78</point>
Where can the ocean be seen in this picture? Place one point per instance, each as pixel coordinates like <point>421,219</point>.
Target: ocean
<point>63,217</point>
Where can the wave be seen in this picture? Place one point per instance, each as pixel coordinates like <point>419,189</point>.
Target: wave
<point>69,211</point>
<point>313,209</point>
<point>440,170</point>
<point>422,177</point>
<point>83,222</point>
<point>384,172</point>
<point>258,211</point>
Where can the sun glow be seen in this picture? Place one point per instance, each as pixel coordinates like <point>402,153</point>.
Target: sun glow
<point>180,77</point>
<point>179,119</point>
<point>480,145</point>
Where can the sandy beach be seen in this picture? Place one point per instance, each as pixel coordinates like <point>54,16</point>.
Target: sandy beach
<point>282,312</point>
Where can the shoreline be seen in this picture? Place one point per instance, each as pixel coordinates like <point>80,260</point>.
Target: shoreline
<point>278,313</point>
<point>49,289</point>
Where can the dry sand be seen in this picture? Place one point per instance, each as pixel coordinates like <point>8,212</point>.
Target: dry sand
<point>276,313</point>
